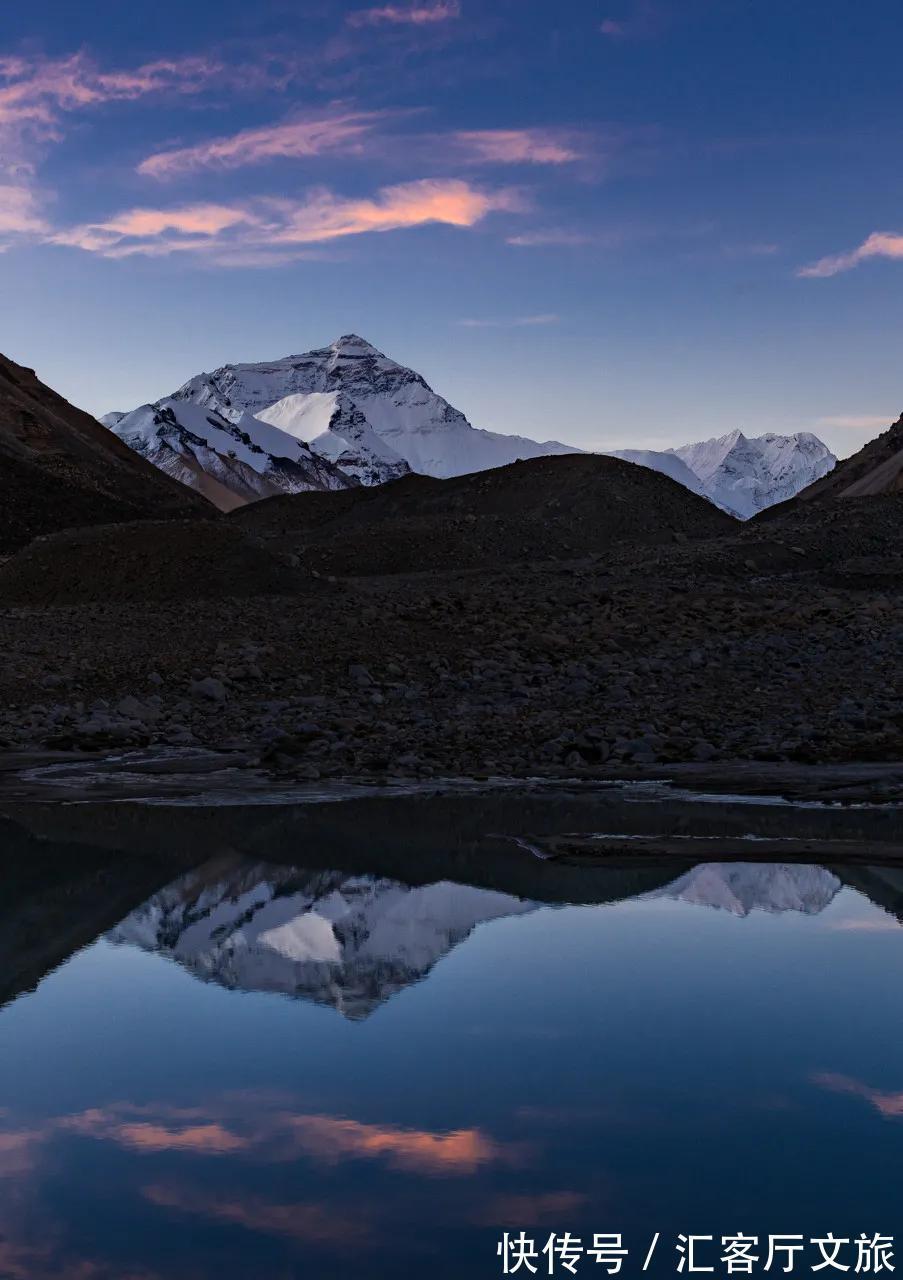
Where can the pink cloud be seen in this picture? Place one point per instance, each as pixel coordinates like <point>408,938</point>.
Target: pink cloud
<point>135,230</point>
<point>518,146</point>
<point>342,131</point>
<point>285,226</point>
<point>880,244</point>
<point>887,1104</point>
<point>397,15</point>
<point>19,211</point>
<point>36,93</point>
<point>33,86</point>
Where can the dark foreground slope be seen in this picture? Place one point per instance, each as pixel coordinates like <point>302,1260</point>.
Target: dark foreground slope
<point>598,631</point>
<point>542,509</point>
<point>149,560</point>
<point>60,468</point>
<point>876,469</point>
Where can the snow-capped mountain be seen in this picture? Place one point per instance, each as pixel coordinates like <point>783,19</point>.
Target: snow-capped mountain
<point>668,463</point>
<point>349,942</point>
<point>347,414</point>
<point>742,474</point>
<point>347,404</point>
<point>230,460</point>
<point>742,887</point>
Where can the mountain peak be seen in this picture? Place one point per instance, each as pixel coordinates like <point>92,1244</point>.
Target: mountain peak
<point>353,344</point>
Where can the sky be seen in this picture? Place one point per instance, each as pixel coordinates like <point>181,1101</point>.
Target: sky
<point>617,223</point>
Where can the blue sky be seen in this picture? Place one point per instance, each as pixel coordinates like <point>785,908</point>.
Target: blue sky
<point>611,222</point>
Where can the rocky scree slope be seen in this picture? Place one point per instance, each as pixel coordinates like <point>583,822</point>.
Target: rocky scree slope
<point>876,469</point>
<point>59,468</point>
<point>637,656</point>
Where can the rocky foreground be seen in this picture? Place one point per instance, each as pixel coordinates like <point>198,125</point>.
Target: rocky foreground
<point>780,642</point>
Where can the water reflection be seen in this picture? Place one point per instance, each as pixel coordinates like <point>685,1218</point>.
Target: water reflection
<point>350,942</point>
<point>687,1045</point>
<point>742,887</point>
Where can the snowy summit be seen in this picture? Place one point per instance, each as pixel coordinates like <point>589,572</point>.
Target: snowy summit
<point>742,474</point>
<point>341,415</point>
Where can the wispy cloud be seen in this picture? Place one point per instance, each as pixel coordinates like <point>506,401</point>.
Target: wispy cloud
<point>19,210</point>
<point>644,21</point>
<point>307,1221</point>
<point>284,225</point>
<point>880,244</point>
<point>35,94</point>
<point>519,146</point>
<point>419,15</point>
<point>138,230</point>
<point>859,421</point>
<point>513,322</point>
<point>336,131</point>
<point>344,131</point>
<point>886,1103</point>
<point>550,236</point>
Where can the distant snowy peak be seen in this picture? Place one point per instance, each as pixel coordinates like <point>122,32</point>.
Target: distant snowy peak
<point>668,463</point>
<point>375,418</point>
<point>340,415</point>
<point>741,474</point>
<point>230,461</point>
<point>744,475</point>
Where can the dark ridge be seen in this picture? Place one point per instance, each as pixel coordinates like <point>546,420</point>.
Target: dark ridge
<point>60,468</point>
<point>545,508</point>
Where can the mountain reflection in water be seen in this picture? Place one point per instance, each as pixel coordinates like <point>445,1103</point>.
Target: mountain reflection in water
<point>522,1044</point>
<point>340,940</point>
<point>352,942</point>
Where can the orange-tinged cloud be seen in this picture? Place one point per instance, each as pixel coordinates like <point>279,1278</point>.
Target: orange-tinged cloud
<point>880,244</point>
<point>202,1139</point>
<point>460,1152</point>
<point>281,224</point>
<point>517,146</point>
<point>887,1104</point>
<point>447,200</point>
<point>205,1137</point>
<point>418,15</point>
<point>274,1136</point>
<point>337,132</point>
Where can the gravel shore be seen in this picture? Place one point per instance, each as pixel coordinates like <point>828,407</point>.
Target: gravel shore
<point>549,669</point>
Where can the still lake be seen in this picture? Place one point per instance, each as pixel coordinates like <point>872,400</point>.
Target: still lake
<point>282,1046</point>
